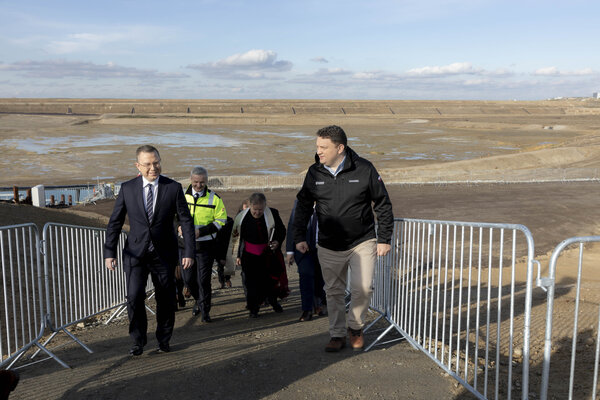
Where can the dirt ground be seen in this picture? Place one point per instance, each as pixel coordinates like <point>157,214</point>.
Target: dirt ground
<point>497,146</point>
<point>275,357</point>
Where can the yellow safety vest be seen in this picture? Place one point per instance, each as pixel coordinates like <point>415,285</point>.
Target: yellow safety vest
<point>205,210</point>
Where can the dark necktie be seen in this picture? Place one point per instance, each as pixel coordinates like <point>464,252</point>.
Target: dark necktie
<point>149,211</point>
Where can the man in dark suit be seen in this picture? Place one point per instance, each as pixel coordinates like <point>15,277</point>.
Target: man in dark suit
<point>151,201</point>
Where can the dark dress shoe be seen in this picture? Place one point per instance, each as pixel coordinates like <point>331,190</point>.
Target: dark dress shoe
<point>163,348</point>
<point>306,316</point>
<point>136,350</point>
<point>206,318</point>
<point>195,310</point>
<point>253,315</point>
<point>277,308</point>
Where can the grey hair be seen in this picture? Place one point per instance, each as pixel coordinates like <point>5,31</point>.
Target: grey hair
<point>257,198</point>
<point>199,171</point>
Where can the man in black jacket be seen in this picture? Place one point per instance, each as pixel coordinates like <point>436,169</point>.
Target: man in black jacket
<point>346,189</point>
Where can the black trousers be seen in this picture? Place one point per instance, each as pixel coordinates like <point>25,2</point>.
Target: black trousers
<point>259,284</point>
<point>197,278</point>
<point>163,277</point>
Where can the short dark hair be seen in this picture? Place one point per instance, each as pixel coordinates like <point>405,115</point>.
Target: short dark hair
<point>333,133</point>
<point>257,198</point>
<point>146,149</point>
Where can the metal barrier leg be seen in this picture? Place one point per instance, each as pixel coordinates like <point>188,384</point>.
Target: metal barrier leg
<point>45,350</point>
<point>77,341</point>
<point>373,323</point>
<point>118,312</point>
<point>382,335</point>
<point>43,345</point>
<point>149,309</point>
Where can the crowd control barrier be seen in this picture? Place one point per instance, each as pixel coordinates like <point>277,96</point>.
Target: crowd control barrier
<point>78,285</point>
<point>54,282</point>
<point>22,312</point>
<point>580,333</point>
<point>451,290</point>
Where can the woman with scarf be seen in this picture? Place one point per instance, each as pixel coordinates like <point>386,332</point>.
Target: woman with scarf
<point>260,232</point>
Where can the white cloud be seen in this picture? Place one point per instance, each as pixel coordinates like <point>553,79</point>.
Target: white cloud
<point>78,42</point>
<point>500,72</point>
<point>321,60</point>
<point>56,69</point>
<point>477,82</point>
<point>253,64</point>
<point>332,71</point>
<point>451,69</point>
<point>553,71</point>
<point>84,38</point>
<point>382,76</point>
<point>323,76</point>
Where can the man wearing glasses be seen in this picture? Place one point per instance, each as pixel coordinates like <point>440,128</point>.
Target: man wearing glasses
<point>151,201</point>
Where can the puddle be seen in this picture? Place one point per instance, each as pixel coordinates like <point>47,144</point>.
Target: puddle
<point>43,145</point>
<point>291,135</point>
<point>505,148</point>
<point>270,172</point>
<point>104,151</point>
<point>450,140</point>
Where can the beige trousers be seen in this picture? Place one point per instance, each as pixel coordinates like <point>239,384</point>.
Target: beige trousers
<point>334,264</point>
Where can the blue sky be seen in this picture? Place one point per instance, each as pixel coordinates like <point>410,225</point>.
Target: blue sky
<point>277,49</point>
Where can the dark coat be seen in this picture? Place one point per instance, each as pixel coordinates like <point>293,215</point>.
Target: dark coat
<point>310,237</point>
<point>344,204</point>
<point>170,202</point>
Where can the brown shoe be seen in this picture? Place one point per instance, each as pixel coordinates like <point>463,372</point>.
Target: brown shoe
<point>356,338</point>
<point>335,344</point>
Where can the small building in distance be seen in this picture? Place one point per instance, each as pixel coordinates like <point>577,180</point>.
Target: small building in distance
<point>596,95</point>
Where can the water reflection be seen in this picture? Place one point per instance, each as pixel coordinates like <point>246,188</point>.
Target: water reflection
<point>46,144</point>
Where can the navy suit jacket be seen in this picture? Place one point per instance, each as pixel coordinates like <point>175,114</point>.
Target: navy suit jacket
<point>170,201</point>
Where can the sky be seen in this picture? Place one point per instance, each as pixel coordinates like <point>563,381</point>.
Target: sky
<point>278,49</point>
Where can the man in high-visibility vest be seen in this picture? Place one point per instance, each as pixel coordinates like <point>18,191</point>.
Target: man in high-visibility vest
<point>209,214</point>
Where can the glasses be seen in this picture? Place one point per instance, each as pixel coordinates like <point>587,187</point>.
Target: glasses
<point>148,165</point>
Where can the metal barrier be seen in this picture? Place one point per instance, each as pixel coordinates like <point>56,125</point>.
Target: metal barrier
<point>451,291</point>
<point>21,305</point>
<point>78,286</point>
<point>382,287</point>
<point>585,320</point>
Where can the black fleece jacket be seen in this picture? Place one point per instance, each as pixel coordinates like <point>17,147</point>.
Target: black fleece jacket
<point>345,204</point>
